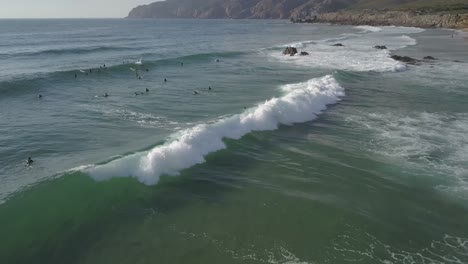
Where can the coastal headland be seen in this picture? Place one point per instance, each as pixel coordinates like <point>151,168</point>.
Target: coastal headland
<point>415,13</point>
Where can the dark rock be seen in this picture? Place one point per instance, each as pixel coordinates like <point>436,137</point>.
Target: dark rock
<point>338,45</point>
<point>429,58</point>
<point>303,53</point>
<point>290,51</point>
<point>405,59</point>
<point>380,47</point>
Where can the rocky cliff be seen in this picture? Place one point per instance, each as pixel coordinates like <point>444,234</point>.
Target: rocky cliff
<point>397,18</point>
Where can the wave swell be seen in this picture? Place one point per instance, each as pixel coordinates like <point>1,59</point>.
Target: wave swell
<point>301,102</point>
<point>64,51</point>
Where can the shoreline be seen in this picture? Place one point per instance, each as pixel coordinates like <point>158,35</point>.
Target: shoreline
<point>391,18</point>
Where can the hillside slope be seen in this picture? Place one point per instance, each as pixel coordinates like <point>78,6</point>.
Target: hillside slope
<point>291,8</point>
<point>237,8</point>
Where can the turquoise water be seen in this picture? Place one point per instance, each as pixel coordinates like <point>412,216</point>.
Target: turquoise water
<point>341,156</point>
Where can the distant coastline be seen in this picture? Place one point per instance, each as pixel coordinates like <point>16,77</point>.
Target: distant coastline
<point>410,13</point>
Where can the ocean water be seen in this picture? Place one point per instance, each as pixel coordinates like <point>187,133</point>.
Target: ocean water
<point>242,155</point>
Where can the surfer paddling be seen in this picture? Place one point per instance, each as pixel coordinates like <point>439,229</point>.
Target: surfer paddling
<point>29,161</point>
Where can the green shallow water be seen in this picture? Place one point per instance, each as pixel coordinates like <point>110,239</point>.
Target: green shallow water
<point>341,208</point>
<point>379,177</point>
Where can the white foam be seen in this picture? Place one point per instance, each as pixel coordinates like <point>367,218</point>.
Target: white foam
<point>369,28</point>
<point>344,58</point>
<point>434,143</point>
<point>302,102</point>
<point>403,30</point>
<point>405,41</point>
<point>358,52</point>
<point>445,250</point>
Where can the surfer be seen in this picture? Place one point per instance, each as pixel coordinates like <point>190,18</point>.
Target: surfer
<point>147,90</point>
<point>165,80</point>
<point>29,161</point>
<point>40,96</point>
<point>195,92</point>
<point>217,60</point>
<point>106,95</point>
<point>147,70</point>
<point>209,88</point>
<point>76,76</point>
<point>181,64</point>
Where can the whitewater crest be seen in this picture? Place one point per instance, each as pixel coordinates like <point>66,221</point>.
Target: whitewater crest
<point>301,102</point>
<point>368,28</point>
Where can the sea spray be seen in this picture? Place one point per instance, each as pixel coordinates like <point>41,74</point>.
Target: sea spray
<point>301,102</point>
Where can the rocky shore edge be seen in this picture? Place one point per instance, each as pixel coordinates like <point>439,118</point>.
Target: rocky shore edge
<point>390,18</point>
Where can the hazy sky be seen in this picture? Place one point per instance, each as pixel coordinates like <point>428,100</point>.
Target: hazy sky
<point>67,8</point>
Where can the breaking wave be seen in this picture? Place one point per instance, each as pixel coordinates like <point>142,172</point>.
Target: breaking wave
<point>301,102</point>
<point>369,28</point>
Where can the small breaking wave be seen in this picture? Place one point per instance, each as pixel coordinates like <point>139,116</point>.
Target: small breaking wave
<point>403,30</point>
<point>302,102</point>
<point>366,29</point>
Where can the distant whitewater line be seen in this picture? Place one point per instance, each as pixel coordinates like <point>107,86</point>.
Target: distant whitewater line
<point>302,102</point>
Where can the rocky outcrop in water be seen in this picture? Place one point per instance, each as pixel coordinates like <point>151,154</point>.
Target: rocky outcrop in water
<point>405,59</point>
<point>290,51</point>
<point>380,47</point>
